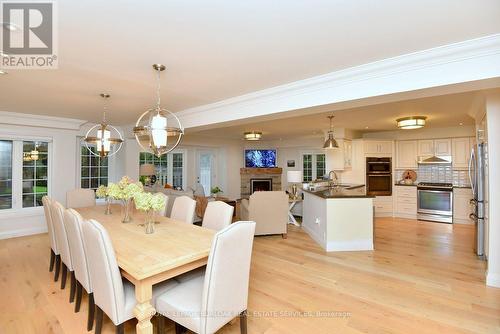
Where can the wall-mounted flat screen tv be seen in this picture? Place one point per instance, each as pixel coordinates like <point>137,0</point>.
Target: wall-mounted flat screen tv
<point>260,158</point>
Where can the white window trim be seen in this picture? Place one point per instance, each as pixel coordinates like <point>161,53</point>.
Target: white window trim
<point>17,175</point>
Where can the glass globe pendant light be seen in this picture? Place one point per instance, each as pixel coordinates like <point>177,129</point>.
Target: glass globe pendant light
<point>158,130</point>
<point>106,145</point>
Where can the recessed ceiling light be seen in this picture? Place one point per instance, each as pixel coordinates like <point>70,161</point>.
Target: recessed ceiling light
<point>461,124</point>
<point>366,127</point>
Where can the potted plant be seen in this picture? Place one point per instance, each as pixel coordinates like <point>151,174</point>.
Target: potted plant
<point>215,191</point>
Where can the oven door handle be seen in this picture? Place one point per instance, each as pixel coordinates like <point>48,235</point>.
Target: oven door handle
<point>384,174</point>
<point>436,191</point>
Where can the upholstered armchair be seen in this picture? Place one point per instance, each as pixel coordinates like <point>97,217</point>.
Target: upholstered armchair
<point>269,209</point>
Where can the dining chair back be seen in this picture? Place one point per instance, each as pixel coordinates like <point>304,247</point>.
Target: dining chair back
<point>73,223</point>
<point>165,199</point>
<point>218,215</point>
<point>54,251</point>
<point>183,209</point>
<point>57,213</point>
<point>80,198</point>
<point>225,289</point>
<point>104,272</point>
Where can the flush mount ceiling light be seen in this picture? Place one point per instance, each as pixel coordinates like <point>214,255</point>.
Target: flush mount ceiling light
<point>100,135</point>
<point>412,122</point>
<point>331,142</point>
<point>252,135</point>
<point>158,130</point>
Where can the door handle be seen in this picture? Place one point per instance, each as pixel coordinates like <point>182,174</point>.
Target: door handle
<point>473,216</point>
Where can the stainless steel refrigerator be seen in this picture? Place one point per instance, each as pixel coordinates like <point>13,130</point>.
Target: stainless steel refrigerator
<point>478,180</point>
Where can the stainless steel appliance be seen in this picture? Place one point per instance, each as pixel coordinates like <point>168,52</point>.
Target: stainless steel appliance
<point>435,202</point>
<point>378,176</point>
<point>477,166</point>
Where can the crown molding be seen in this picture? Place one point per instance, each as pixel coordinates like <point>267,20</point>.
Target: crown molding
<point>14,118</point>
<point>471,60</point>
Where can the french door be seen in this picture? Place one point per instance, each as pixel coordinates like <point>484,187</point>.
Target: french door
<point>206,166</point>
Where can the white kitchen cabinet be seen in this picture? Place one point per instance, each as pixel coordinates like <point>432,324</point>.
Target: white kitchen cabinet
<point>347,154</point>
<point>378,147</point>
<point>460,152</point>
<point>425,148</point>
<point>339,158</point>
<point>406,154</point>
<point>437,147</point>
<point>383,206</point>
<point>442,147</point>
<point>405,201</point>
<point>462,208</point>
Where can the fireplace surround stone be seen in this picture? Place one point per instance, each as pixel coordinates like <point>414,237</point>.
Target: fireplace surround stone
<point>248,174</point>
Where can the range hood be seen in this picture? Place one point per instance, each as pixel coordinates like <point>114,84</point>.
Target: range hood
<point>434,160</point>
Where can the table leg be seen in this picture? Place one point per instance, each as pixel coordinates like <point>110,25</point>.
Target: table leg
<point>144,311</point>
<point>292,219</point>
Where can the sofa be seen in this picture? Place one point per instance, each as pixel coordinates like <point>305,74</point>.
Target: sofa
<point>173,194</point>
<point>269,209</point>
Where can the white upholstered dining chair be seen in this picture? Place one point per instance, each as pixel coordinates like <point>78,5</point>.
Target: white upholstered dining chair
<point>207,302</point>
<point>57,213</point>
<point>183,209</point>
<point>80,198</point>
<point>112,294</point>
<point>218,215</point>
<point>73,223</point>
<point>165,199</point>
<point>54,251</point>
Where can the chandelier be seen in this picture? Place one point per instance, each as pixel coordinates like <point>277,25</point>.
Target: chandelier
<point>106,145</point>
<point>158,130</point>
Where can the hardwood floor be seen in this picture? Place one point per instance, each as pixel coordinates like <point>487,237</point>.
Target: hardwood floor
<point>422,278</point>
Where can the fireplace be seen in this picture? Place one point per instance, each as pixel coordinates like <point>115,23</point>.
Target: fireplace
<point>261,185</point>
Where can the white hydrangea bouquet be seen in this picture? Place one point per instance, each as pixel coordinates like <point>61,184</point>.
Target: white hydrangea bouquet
<point>102,192</point>
<point>125,190</point>
<point>149,203</point>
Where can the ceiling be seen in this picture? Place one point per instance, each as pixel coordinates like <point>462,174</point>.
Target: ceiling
<point>220,49</point>
<point>441,111</point>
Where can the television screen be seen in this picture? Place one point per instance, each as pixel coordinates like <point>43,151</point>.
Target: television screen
<point>260,158</point>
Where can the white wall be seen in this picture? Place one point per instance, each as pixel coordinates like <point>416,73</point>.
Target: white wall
<point>493,115</point>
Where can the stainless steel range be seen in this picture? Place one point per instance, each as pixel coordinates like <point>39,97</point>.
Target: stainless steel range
<point>435,202</point>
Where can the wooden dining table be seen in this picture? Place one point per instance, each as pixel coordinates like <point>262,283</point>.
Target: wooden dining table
<point>146,259</point>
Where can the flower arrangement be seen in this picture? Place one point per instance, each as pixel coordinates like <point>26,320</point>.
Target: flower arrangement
<point>101,192</point>
<point>125,189</point>
<point>148,201</point>
<point>216,190</point>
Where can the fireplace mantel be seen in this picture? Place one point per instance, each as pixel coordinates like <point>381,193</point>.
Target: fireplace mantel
<point>261,171</point>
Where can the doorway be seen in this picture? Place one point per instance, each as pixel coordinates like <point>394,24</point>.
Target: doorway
<point>206,166</point>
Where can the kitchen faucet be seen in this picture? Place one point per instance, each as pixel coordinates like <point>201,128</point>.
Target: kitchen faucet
<point>333,180</point>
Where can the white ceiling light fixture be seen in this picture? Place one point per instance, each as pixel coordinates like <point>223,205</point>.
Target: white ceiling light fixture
<point>106,145</point>
<point>330,141</point>
<point>411,123</point>
<point>252,135</point>
<point>158,130</point>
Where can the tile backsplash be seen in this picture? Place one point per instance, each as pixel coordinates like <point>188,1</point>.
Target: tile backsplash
<point>438,173</point>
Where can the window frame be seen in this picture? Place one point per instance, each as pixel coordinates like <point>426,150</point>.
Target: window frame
<point>17,173</point>
<point>169,161</point>
<point>81,145</point>
<point>314,163</point>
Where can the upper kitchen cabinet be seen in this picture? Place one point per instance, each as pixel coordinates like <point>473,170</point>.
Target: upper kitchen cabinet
<point>431,147</point>
<point>461,152</point>
<point>339,158</point>
<point>378,147</point>
<point>347,154</point>
<point>406,156</point>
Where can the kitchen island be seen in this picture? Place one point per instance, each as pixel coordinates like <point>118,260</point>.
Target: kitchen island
<point>339,218</point>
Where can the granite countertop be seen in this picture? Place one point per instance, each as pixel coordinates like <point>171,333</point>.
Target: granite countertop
<point>343,191</point>
<point>415,184</point>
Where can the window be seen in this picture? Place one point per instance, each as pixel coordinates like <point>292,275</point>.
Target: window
<point>35,171</point>
<point>313,166</point>
<point>24,173</point>
<point>5,174</point>
<point>169,167</point>
<point>94,169</point>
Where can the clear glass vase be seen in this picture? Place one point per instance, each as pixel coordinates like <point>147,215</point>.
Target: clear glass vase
<point>126,210</point>
<point>108,206</point>
<point>149,224</point>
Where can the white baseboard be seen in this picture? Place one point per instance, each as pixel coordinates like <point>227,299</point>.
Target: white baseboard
<point>493,279</point>
<point>313,235</point>
<point>354,245</point>
<point>22,232</point>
